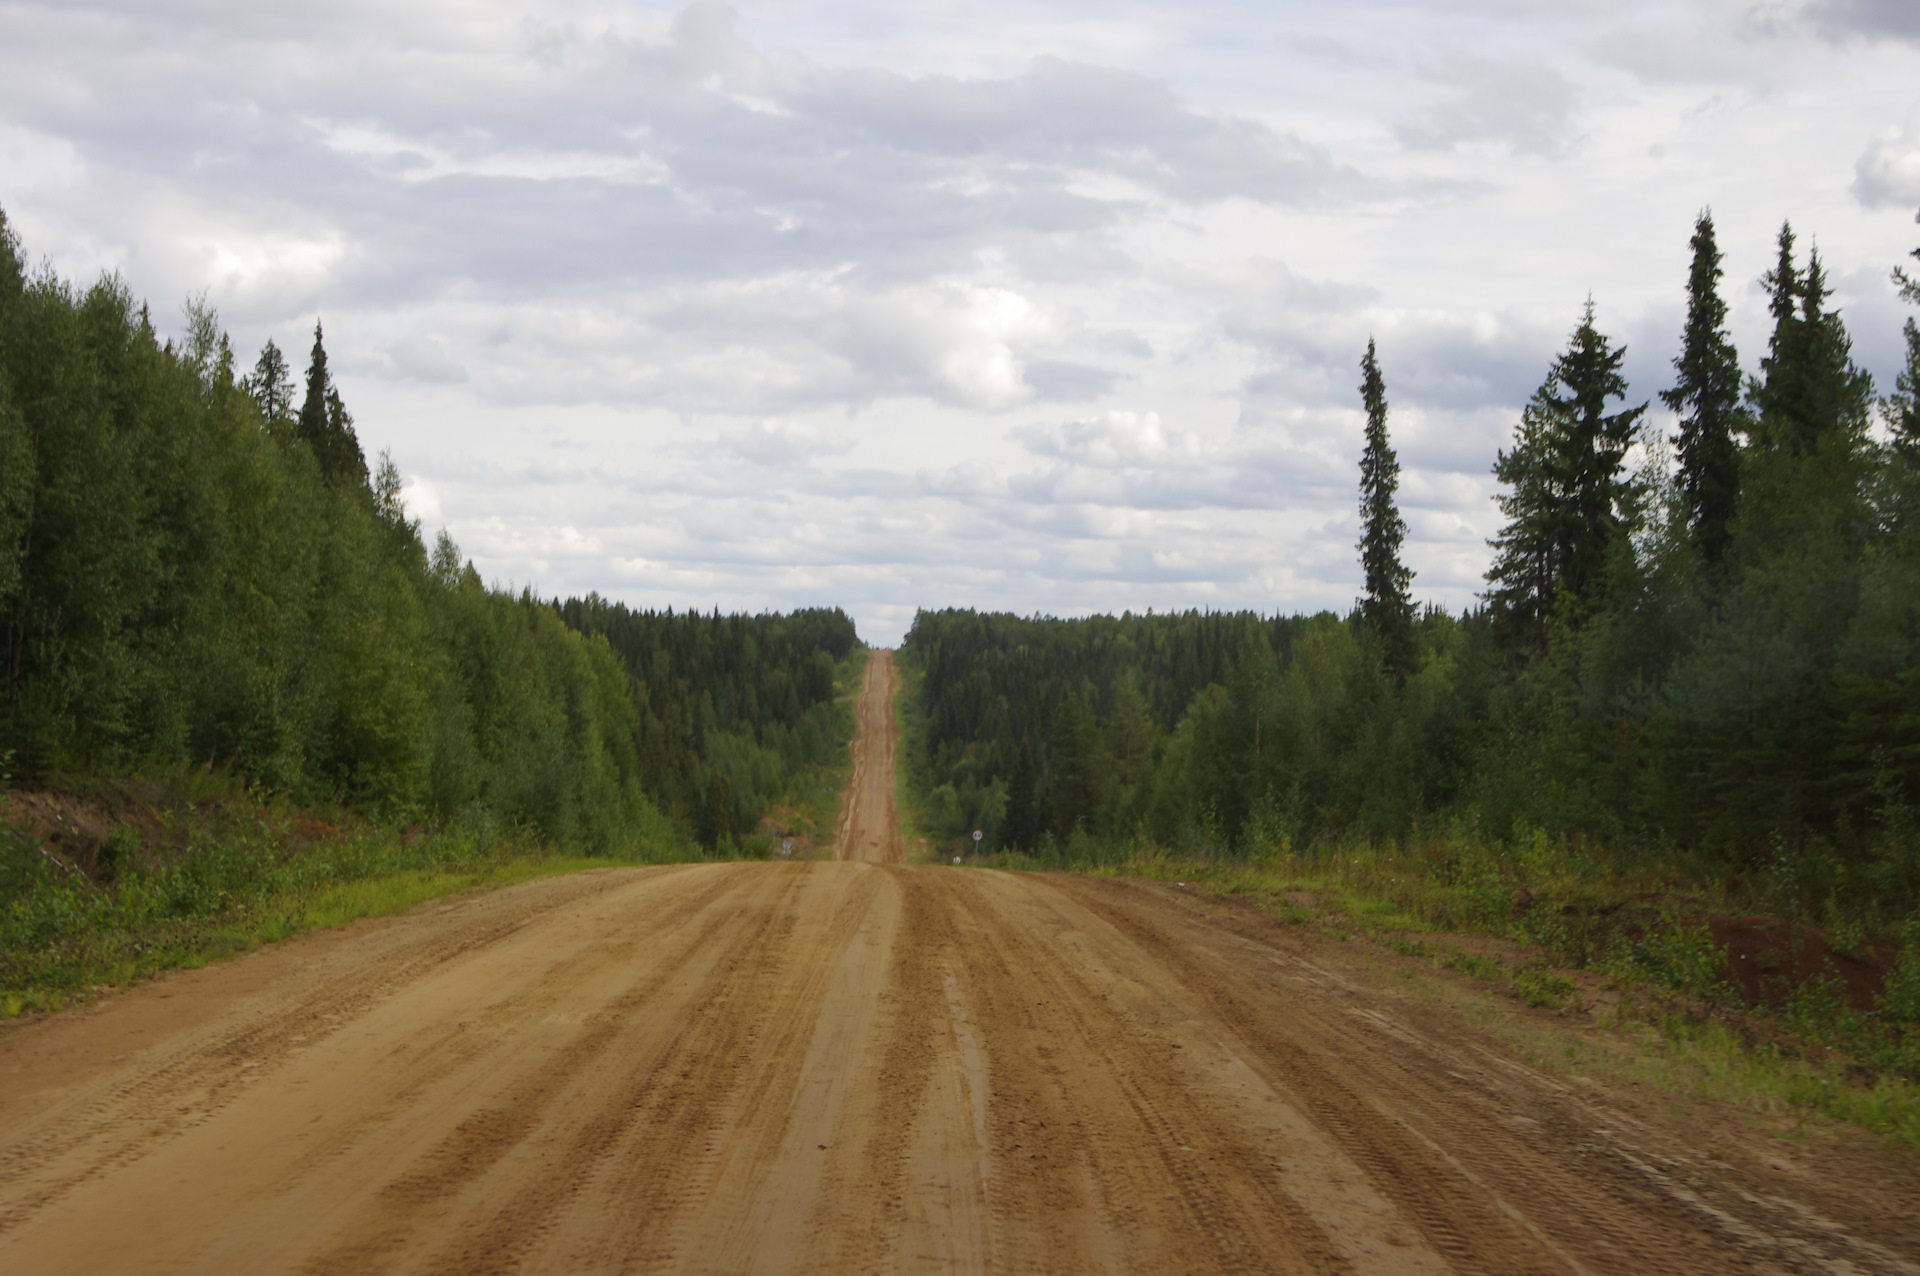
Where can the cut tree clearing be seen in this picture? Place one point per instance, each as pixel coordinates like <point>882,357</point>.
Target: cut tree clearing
<point>861,1067</point>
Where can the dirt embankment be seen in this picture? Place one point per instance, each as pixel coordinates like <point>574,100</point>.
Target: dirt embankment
<point>869,819</point>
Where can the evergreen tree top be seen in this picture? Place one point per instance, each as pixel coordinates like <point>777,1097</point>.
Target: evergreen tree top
<point>12,273</point>
<point>1783,281</point>
<point>270,385</point>
<point>1706,397</point>
<point>1386,609</point>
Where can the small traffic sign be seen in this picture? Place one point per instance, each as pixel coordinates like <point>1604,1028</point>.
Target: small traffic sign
<point>977,835</point>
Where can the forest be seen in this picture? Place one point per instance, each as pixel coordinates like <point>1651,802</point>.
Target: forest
<point>199,569</point>
<point>1699,651</point>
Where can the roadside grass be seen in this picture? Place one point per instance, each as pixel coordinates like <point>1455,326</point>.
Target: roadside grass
<point>209,872</point>
<point>1671,1052</point>
<point>1586,941</point>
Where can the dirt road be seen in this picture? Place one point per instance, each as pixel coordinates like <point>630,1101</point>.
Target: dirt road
<point>869,820</point>
<point>857,1067</point>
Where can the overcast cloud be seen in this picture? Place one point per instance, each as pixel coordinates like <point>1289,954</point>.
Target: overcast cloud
<point>1042,307</point>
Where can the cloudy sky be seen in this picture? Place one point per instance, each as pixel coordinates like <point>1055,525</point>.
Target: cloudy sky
<point>1040,306</point>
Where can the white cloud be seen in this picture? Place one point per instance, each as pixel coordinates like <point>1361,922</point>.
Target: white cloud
<point>1524,106</point>
<point>1025,306</point>
<point>779,444</point>
<point>1889,171</point>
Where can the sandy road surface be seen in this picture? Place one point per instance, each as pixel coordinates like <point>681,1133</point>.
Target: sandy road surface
<point>869,821</point>
<point>841,1067</point>
<point>859,1067</point>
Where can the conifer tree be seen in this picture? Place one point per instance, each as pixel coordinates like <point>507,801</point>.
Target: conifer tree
<point>16,442</point>
<point>1903,405</point>
<point>1386,611</point>
<point>13,275</point>
<point>313,409</point>
<point>349,463</point>
<point>1809,389</point>
<point>1076,788</point>
<point>1528,552</point>
<point>1566,497</point>
<point>270,385</point>
<point>1022,826</point>
<point>1707,398</point>
<point>325,425</point>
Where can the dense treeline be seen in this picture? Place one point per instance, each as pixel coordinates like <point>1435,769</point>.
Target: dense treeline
<point>1701,650</point>
<point>196,568</point>
<point>730,709</point>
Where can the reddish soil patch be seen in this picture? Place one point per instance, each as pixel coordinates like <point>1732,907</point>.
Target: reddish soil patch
<point>78,826</point>
<point>1768,958</point>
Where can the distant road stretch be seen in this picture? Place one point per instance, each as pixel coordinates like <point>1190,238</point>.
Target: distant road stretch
<point>869,820</point>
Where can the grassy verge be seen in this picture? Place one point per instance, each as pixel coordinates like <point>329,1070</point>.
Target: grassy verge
<point>119,882</point>
<point>1622,951</point>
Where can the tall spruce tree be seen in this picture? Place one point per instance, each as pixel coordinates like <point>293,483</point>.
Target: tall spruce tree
<point>325,425</point>
<point>1809,389</point>
<point>1528,552</point>
<point>270,385</point>
<point>1566,496</point>
<point>1707,398</point>
<point>17,464</point>
<point>1386,612</point>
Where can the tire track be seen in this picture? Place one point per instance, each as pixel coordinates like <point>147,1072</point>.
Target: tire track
<point>66,1144</point>
<point>1413,1112</point>
<point>1089,1121</point>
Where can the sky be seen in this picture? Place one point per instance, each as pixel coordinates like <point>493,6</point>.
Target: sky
<point>1039,307</point>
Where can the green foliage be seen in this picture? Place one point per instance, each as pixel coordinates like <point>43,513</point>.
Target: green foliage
<point>1751,722</point>
<point>1809,391</point>
<point>1681,957</point>
<point>193,573</point>
<point>239,874</point>
<point>1541,987</point>
<point>1225,734</point>
<point>1901,1000</point>
<point>731,713</point>
<point>1386,609</point>
<point>1566,504</point>
<point>1707,398</point>
<point>324,424</point>
<point>1902,407</point>
<point>1077,789</point>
